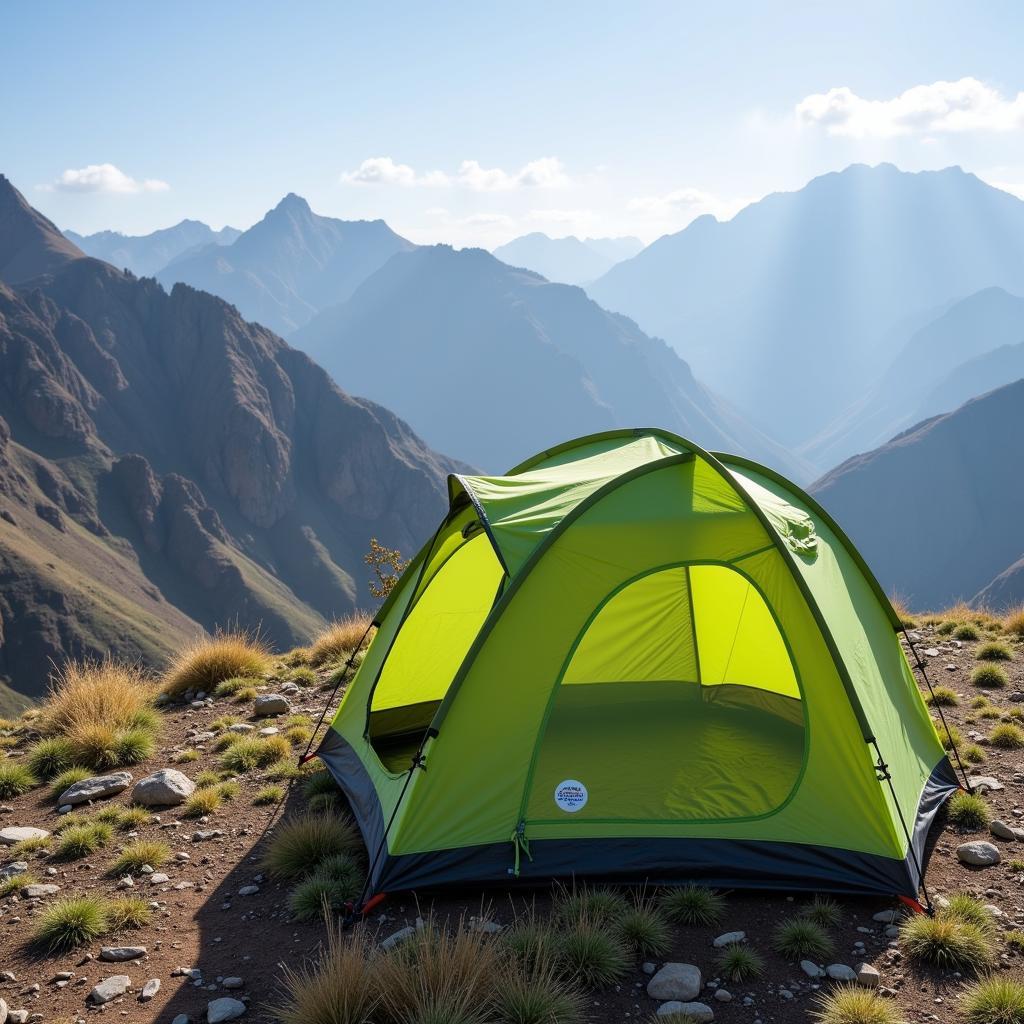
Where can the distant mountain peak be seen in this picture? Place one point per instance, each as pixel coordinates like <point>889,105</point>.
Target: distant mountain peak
<point>30,244</point>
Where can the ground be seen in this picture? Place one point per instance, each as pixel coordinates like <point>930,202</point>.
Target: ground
<point>203,922</point>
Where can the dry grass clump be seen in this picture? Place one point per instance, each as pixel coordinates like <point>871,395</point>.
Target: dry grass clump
<point>994,650</point>
<point>907,618</point>
<point>951,940</point>
<point>268,795</point>
<point>202,802</point>
<point>13,884</point>
<point>248,753</point>
<point>15,779</point>
<point>995,1001</point>
<point>849,1004</point>
<point>1007,737</point>
<point>645,929</point>
<point>989,677</point>
<point>128,912</point>
<point>81,840</point>
<point>597,903</point>
<point>1013,621</point>
<point>337,880</point>
<point>589,951</point>
<point>207,661</point>
<point>69,923</point>
<point>339,639</point>
<point>302,842</point>
<point>135,856</point>
<point>942,697</point>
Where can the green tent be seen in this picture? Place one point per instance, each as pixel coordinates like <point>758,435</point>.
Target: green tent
<point>630,658</point>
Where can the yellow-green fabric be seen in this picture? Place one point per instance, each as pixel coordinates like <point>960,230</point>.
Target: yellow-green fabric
<point>688,638</point>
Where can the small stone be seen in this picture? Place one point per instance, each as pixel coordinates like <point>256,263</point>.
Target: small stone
<point>811,969</point>
<point>978,854</point>
<point>43,889</point>
<point>983,783</point>
<point>397,938</point>
<point>867,976</point>
<point>270,704</point>
<point>248,890</point>
<point>17,1016</point>
<point>165,788</point>
<point>158,878</point>
<point>222,1009</point>
<point>699,1013</point>
<point>886,916</point>
<point>1003,831</point>
<point>932,652</point>
<point>149,990</point>
<point>841,972</point>
<point>676,981</point>
<point>729,939</point>
<point>182,1018</point>
<point>233,982</point>
<point>65,809</point>
<point>126,882</point>
<point>109,989</point>
<point>95,788</point>
<point>19,833</point>
<point>241,727</point>
<point>17,867</point>
<point>120,954</point>
<point>270,730</point>
<point>647,967</point>
<point>723,995</point>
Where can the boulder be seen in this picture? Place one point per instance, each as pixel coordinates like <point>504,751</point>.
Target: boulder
<point>109,989</point>
<point>729,939</point>
<point>978,854</point>
<point>165,788</point>
<point>680,982</point>
<point>841,972</point>
<point>984,783</point>
<point>96,788</point>
<point>19,833</point>
<point>998,828</point>
<point>699,1013</point>
<point>121,954</point>
<point>34,892</point>
<point>867,976</point>
<point>270,704</point>
<point>225,1008</point>
<point>149,990</point>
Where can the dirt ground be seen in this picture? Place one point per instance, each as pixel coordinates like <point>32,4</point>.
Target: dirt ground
<point>202,922</point>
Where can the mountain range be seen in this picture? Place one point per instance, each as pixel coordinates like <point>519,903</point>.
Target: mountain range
<point>290,265</point>
<point>495,363</point>
<point>568,260</point>
<point>144,255</point>
<point>795,307</point>
<point>166,466</point>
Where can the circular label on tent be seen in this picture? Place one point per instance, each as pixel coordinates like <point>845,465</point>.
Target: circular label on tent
<point>571,795</point>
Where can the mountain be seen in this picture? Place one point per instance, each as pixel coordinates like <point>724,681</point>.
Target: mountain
<point>144,255</point>
<point>290,265</point>
<point>166,467</point>
<point>494,363</point>
<point>936,510</point>
<point>567,260</point>
<point>788,308</point>
<point>30,244</point>
<point>976,345</point>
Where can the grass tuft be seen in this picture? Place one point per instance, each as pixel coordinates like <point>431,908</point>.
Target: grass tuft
<point>849,1004</point>
<point>966,631</point>
<point>963,907</point>
<point>128,912</point>
<point>598,904</point>
<point>67,779</point>
<point>947,942</point>
<point>592,953</point>
<point>251,752</point>
<point>533,942</point>
<point>137,855</point>
<point>645,929</point>
<point>70,923</point>
<point>994,1001</point>
<point>973,753</point>
<point>968,811</point>
<point>994,650</point>
<point>693,905</point>
<point>268,795</point>
<point>800,938</point>
<point>202,802</point>
<point>824,911</point>
<point>15,779</point>
<point>82,840</point>
<point>538,996</point>
<point>208,661</point>
<point>1007,737</point>
<point>989,677</point>
<point>740,964</point>
<point>302,842</point>
<point>50,757</point>
<point>13,884</point>
<point>339,639</point>
<point>942,697</point>
<point>1013,621</point>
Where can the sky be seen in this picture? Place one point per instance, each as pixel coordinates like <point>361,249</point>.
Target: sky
<point>474,123</point>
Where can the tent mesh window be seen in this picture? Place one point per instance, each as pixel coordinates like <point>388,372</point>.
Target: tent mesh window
<point>679,701</point>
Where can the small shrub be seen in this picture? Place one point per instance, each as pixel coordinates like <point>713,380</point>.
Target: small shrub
<point>538,996</point>
<point>69,923</point>
<point>311,896</point>
<point>968,811</point>
<point>268,795</point>
<point>740,964</point>
<point>50,757</point>
<point>966,631</point>
<point>950,736</point>
<point>208,661</point>
<point>593,954</point>
<point>966,908</point>
<point>1013,621</point>
<point>229,790</point>
<point>128,912</point>
<point>799,938</point>
<point>296,656</point>
<point>230,687</point>
<point>302,677</point>
<point>224,722</point>
<point>15,779</point>
<point>245,694</point>
<point>206,779</point>
<point>298,735</point>
<point>202,802</point>
<point>848,1004</point>
<point>225,740</point>
<point>946,627</point>
<point>338,640</point>
<point>533,942</point>
<point>942,697</point>
<point>989,677</point>
<point>133,746</point>
<point>281,771</point>
<point>67,779</point>
<point>974,754</point>
<point>302,842</point>
<point>15,883</point>
<point>81,840</point>
<point>693,905</point>
<point>994,650</point>
<point>132,818</point>
<point>599,904</point>
<point>1007,737</point>
<point>186,756</point>
<point>981,701</point>
<point>137,855</point>
<point>946,942</point>
<point>645,930</point>
<point>994,1001</point>
<point>1014,940</point>
<point>824,911</point>
<point>255,752</point>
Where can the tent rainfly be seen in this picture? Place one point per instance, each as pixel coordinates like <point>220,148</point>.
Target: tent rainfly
<point>629,658</point>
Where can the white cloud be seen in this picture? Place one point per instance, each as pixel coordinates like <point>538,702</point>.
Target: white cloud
<point>967,105</point>
<point>562,216</point>
<point>103,178</point>
<point>547,172</point>
<point>685,203</point>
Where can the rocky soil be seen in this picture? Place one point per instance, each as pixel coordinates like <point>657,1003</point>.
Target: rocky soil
<point>221,930</point>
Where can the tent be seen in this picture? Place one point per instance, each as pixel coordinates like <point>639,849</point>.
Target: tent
<point>631,658</point>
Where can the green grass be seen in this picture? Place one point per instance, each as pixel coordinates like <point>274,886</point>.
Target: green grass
<point>824,911</point>
<point>1014,940</point>
<point>945,628</point>
<point>206,779</point>
<point>28,847</point>
<point>300,843</point>
<point>966,631</point>
<point>50,757</point>
<point>1015,865</point>
<point>82,840</point>
<point>593,954</point>
<point>68,778</point>
<point>15,883</point>
<point>598,904</point>
<point>15,779</point>
<point>255,752</point>
<point>128,912</point>
<point>645,929</point>
<point>338,879</point>
<point>283,770</point>
<point>225,722</point>
<point>981,701</point>
<point>202,802</point>
<point>989,677</point>
<point>538,996</point>
<point>186,756</point>
<point>968,811</point>
<point>849,1004</point>
<point>268,795</point>
<point>1007,737</point>
<point>740,964</point>
<point>136,855</point>
<point>231,687</point>
<point>946,942</point>
<point>943,697</point>
<point>800,938</point>
<point>950,736</point>
<point>320,782</point>
<point>532,941</point>
<point>994,1001</point>
<point>227,740</point>
<point>302,677</point>
<point>994,650</point>
<point>228,790</point>
<point>693,905</point>
<point>974,754</point>
<point>69,923</point>
<point>245,694</point>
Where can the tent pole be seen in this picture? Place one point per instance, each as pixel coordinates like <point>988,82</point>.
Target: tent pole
<point>938,707</point>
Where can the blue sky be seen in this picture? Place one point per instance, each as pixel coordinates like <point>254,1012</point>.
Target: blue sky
<point>472,123</point>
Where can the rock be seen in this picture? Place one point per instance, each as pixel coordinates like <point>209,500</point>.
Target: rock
<point>932,652</point>
<point>120,954</point>
<point>867,976</point>
<point>812,970</point>
<point>165,788</point>
<point>676,981</point>
<point>886,916</point>
<point>647,967</point>
<point>19,833</point>
<point>241,727</point>
<point>248,890</point>
<point>110,989</point>
<point>723,995</point>
<point>271,704</point>
<point>182,1018</point>
<point>841,972</point>
<point>158,878</point>
<point>3,1011</point>
<point>65,809</point>
<point>17,1016</point>
<point>978,854</point>
<point>1003,831</point>
<point>699,1013</point>
<point>233,983</point>
<point>984,783</point>
<point>34,892</point>
<point>96,788</point>
<point>223,1009</point>
<point>729,939</point>
<point>149,990</point>
<point>16,867</point>
<point>397,938</point>
<point>270,730</point>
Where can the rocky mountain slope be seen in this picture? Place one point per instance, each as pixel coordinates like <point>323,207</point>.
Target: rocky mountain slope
<point>568,260</point>
<point>166,466</point>
<point>144,255</point>
<point>290,265</point>
<point>497,363</point>
<point>791,308</point>
<point>936,510</point>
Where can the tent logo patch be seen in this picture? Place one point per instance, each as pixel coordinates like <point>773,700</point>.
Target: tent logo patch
<point>571,796</point>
